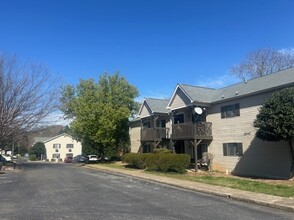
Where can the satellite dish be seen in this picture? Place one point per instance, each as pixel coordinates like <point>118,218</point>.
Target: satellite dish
<point>198,110</point>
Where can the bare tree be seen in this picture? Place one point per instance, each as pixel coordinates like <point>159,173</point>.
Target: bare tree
<point>263,62</point>
<point>28,94</point>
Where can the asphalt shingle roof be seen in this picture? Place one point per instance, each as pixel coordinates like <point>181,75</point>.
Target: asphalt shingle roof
<point>157,105</point>
<point>272,81</point>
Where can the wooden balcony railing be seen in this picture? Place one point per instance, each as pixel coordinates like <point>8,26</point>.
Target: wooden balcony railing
<point>185,131</point>
<point>154,134</point>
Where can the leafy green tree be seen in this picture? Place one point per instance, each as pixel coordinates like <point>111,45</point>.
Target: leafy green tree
<point>276,119</point>
<point>38,149</point>
<point>99,112</point>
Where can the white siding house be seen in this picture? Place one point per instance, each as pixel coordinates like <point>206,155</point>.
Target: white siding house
<point>62,146</point>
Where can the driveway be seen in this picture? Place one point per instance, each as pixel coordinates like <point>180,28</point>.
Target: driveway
<point>63,191</point>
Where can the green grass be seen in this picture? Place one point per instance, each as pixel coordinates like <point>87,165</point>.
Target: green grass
<point>247,185</point>
<point>116,166</point>
<point>235,183</point>
<point>242,184</point>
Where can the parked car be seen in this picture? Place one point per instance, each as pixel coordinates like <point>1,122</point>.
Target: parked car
<point>103,158</point>
<point>68,159</point>
<point>80,159</point>
<point>4,158</point>
<point>92,158</point>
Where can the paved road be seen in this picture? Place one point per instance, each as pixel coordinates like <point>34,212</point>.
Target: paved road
<point>63,191</point>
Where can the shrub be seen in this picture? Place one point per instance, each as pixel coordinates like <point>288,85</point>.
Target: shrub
<point>33,157</point>
<point>127,158</point>
<point>152,162</point>
<point>135,160</point>
<point>173,163</point>
<point>162,151</point>
<point>163,162</point>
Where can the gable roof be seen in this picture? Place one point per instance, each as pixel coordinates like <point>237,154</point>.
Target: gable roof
<point>64,134</point>
<point>201,94</point>
<point>269,82</point>
<point>155,105</point>
<point>196,94</point>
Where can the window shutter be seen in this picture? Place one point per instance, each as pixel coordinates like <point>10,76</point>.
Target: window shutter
<point>225,149</point>
<point>237,109</point>
<point>240,149</point>
<point>222,112</point>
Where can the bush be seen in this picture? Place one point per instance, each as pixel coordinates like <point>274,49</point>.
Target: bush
<point>135,160</point>
<point>162,151</point>
<point>152,162</point>
<point>33,157</point>
<point>173,163</point>
<point>163,162</point>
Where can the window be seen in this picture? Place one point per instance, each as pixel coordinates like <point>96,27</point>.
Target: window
<point>146,124</point>
<point>161,123</point>
<point>69,150</point>
<point>69,155</point>
<point>179,118</point>
<point>56,146</point>
<point>233,149</point>
<point>69,145</point>
<point>146,148</point>
<point>230,111</point>
<point>55,156</point>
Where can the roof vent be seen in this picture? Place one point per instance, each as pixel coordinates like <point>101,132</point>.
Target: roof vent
<point>223,96</point>
<point>245,81</point>
<point>236,93</point>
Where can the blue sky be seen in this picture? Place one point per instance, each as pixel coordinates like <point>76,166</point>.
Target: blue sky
<point>155,44</point>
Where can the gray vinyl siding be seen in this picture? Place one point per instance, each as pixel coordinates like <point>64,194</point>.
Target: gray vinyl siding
<point>145,111</point>
<point>179,100</point>
<point>135,132</point>
<point>267,159</point>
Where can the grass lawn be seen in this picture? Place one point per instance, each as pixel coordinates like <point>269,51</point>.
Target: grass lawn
<point>282,188</point>
<point>258,186</point>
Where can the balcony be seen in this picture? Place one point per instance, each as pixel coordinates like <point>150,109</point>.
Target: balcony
<point>190,131</point>
<point>154,134</point>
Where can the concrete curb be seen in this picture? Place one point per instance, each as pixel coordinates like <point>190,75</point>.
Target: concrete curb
<point>282,203</point>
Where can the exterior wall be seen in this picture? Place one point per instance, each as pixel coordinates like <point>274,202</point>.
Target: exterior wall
<point>265,159</point>
<point>63,140</point>
<point>180,100</point>
<point>145,112</point>
<point>135,132</point>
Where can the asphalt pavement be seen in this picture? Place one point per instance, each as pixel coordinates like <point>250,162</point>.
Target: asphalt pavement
<point>235,194</point>
<point>65,191</point>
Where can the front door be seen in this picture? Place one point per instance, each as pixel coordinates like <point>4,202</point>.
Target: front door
<point>180,147</point>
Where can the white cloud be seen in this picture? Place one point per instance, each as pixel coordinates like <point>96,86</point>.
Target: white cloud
<point>289,50</point>
<point>57,118</point>
<point>218,82</point>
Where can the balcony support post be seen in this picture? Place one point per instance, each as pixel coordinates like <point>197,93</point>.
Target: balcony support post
<point>195,144</point>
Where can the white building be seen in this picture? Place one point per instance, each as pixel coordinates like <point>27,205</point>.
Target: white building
<point>62,146</point>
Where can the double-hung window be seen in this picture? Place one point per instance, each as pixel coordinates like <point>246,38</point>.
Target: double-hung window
<point>69,145</point>
<point>229,111</point>
<point>56,146</point>
<point>232,149</point>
